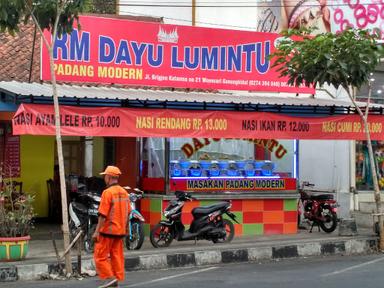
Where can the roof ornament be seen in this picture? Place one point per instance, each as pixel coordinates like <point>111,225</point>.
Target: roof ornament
<point>171,37</point>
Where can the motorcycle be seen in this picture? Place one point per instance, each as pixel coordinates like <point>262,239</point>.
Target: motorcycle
<point>83,215</point>
<point>208,223</point>
<point>135,237</point>
<point>319,209</point>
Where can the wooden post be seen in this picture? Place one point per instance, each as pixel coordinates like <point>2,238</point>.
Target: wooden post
<point>193,12</point>
<point>63,189</point>
<point>66,252</point>
<point>60,157</point>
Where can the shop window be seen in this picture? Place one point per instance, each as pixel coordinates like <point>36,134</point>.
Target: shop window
<point>73,153</point>
<point>152,164</point>
<point>209,158</point>
<point>109,151</point>
<point>363,170</point>
<point>9,151</point>
<point>153,158</point>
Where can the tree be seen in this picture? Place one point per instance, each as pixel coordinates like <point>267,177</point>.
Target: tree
<point>58,17</point>
<point>101,6</point>
<point>346,59</point>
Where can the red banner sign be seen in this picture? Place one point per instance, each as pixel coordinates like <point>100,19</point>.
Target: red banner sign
<point>152,54</point>
<point>131,122</point>
<point>232,184</point>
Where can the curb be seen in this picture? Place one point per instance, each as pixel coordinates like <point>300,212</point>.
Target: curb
<point>200,258</point>
<point>210,257</point>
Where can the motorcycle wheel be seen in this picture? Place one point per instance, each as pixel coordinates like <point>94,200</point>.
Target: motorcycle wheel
<point>229,232</point>
<point>88,241</point>
<point>330,223</point>
<point>137,238</point>
<point>161,236</point>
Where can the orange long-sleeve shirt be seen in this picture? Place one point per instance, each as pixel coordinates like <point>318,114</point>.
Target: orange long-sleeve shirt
<point>115,207</point>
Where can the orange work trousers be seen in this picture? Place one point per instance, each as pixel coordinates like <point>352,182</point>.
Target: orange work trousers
<point>109,258</point>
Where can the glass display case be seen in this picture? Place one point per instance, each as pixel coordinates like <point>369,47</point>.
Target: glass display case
<point>193,164</point>
<point>258,176</point>
<point>224,168</point>
<point>231,164</point>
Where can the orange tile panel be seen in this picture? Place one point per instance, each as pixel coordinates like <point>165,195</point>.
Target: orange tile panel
<point>238,229</point>
<point>145,205</point>
<point>188,206</point>
<point>274,205</point>
<point>186,218</point>
<point>273,217</point>
<point>290,216</point>
<point>237,205</point>
<point>252,217</point>
<point>290,228</point>
<point>164,204</point>
<point>271,229</point>
<point>155,218</point>
<point>147,216</point>
<point>253,205</point>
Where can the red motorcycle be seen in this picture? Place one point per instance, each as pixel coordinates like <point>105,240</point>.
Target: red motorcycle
<point>320,209</point>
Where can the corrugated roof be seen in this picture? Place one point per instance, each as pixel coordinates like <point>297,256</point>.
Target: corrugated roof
<point>113,93</point>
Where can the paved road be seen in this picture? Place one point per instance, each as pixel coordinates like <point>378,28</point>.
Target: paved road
<point>332,271</point>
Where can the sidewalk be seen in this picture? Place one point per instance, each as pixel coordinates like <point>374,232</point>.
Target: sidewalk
<point>41,258</point>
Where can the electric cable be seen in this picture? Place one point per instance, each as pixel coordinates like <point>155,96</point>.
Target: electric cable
<point>264,5</point>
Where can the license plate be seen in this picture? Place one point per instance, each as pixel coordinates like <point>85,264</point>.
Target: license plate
<point>93,212</point>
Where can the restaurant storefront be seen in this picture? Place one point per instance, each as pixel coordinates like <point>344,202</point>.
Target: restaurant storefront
<point>259,176</point>
<point>233,146</point>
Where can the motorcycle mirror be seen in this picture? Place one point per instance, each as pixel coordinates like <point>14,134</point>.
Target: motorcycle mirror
<point>179,194</point>
<point>138,190</point>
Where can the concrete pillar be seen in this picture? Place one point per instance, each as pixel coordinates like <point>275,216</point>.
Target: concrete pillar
<point>352,177</point>
<point>88,156</point>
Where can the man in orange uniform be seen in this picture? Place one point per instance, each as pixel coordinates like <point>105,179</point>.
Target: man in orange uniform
<point>111,229</point>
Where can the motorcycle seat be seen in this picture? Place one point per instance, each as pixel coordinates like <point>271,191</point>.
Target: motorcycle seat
<point>79,208</point>
<point>205,210</point>
<point>322,197</point>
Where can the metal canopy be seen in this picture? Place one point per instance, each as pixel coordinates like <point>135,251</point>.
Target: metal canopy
<point>22,92</point>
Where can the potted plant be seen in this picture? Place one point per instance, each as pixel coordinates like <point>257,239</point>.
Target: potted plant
<point>16,213</point>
